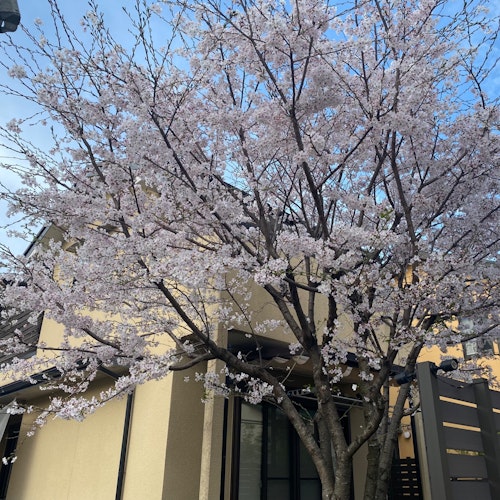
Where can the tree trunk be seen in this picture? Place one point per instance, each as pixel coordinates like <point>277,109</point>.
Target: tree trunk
<point>327,484</point>
<point>372,469</point>
<point>379,464</point>
<point>385,463</point>
<point>389,444</point>
<point>343,480</point>
<point>327,493</point>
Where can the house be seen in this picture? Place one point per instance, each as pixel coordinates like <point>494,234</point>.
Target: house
<point>167,439</point>
<point>161,441</point>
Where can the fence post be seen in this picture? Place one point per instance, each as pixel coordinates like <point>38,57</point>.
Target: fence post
<point>435,448</point>
<point>489,435</point>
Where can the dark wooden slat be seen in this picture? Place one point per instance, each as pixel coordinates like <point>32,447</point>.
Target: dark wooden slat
<point>467,466</point>
<point>456,390</point>
<point>497,420</point>
<point>470,490</point>
<point>462,439</point>
<point>459,414</point>
<point>495,399</point>
<point>405,480</point>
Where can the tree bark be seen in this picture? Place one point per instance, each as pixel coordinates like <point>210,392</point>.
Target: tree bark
<point>389,445</point>
<point>372,467</point>
<point>343,479</point>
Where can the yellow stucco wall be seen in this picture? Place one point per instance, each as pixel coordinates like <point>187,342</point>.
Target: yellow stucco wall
<point>69,460</point>
<point>182,463</point>
<point>147,441</point>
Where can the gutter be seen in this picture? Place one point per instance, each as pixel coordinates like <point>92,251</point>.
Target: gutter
<point>21,385</point>
<point>43,231</point>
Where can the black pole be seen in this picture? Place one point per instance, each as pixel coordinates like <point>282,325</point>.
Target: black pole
<point>125,436</point>
<point>123,453</point>
<point>224,452</point>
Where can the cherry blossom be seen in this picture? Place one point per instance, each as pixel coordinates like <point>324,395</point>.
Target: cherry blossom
<point>300,170</point>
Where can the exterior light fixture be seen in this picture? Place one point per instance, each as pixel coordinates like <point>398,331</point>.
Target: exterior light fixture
<point>404,377</point>
<point>9,16</point>
<point>448,365</point>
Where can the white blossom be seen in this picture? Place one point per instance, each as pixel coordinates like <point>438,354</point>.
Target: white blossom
<point>17,71</point>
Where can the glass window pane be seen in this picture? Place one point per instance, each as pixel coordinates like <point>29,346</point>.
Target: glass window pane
<point>278,489</point>
<point>310,489</point>
<point>307,468</point>
<point>278,445</point>
<point>250,452</point>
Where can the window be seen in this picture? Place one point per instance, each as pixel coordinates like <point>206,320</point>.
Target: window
<point>28,333</point>
<point>475,347</point>
<point>8,448</point>
<point>271,463</point>
<point>251,431</point>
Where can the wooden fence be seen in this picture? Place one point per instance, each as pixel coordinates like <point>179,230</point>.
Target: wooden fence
<point>461,424</point>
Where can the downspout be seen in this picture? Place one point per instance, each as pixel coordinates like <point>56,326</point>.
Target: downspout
<point>123,453</point>
<point>125,437</point>
<point>224,452</point>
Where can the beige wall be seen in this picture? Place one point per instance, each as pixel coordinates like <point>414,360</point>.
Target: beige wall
<point>185,432</point>
<point>360,458</point>
<point>175,450</point>
<point>69,460</point>
<point>147,441</point>
<point>263,307</point>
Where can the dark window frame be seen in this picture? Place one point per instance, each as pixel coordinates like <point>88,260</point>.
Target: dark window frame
<point>11,438</point>
<point>294,463</point>
<point>478,347</point>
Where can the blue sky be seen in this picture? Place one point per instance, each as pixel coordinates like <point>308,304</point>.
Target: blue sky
<point>74,10</point>
<point>32,10</point>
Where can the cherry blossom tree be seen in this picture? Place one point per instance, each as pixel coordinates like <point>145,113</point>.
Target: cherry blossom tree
<point>339,160</point>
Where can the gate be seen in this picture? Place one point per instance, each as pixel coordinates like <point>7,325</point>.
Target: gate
<point>405,480</point>
<point>461,424</point>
